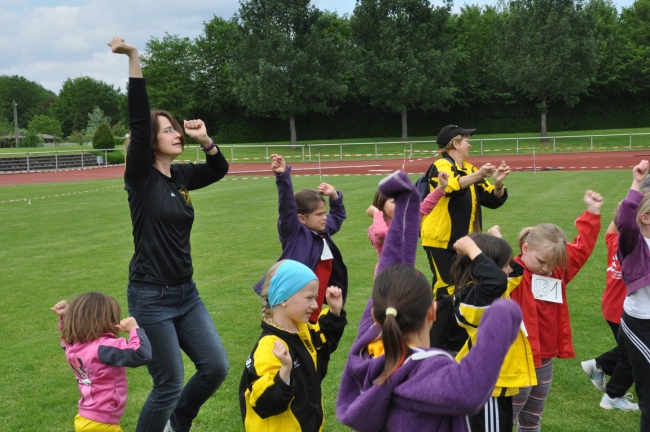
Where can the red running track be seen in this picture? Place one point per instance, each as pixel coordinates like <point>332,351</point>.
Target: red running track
<point>562,161</point>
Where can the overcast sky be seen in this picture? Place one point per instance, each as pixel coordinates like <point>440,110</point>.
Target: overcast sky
<point>48,41</point>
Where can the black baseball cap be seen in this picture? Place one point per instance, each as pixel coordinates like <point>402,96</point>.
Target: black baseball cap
<point>448,133</point>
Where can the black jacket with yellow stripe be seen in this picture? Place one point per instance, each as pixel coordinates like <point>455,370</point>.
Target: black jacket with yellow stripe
<point>518,369</point>
<point>269,404</point>
<point>459,211</point>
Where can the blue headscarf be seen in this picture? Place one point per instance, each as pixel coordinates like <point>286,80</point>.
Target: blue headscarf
<point>289,278</point>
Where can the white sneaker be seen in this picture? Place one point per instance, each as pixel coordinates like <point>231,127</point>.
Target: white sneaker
<point>595,374</point>
<point>623,403</point>
<point>168,427</point>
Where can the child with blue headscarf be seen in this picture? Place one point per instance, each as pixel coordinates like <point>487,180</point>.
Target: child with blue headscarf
<point>280,387</point>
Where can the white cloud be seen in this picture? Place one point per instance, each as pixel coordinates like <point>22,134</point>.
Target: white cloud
<point>48,41</point>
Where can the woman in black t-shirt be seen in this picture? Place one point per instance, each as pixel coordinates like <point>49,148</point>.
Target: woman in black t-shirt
<point>162,295</point>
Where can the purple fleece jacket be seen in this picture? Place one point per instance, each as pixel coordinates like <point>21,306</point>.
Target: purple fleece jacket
<point>429,391</point>
<point>426,393</point>
<point>633,251</point>
<point>301,244</point>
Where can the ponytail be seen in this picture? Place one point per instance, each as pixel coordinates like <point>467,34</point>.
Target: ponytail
<point>401,298</point>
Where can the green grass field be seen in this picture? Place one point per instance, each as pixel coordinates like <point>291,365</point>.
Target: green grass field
<point>68,238</point>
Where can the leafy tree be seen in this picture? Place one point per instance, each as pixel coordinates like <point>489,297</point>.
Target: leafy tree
<point>215,100</point>
<point>32,99</point>
<point>476,75</point>
<point>95,119</point>
<point>635,33</point>
<point>549,51</point>
<point>78,138</point>
<point>404,58</point>
<point>6,128</point>
<point>610,80</point>
<point>78,97</point>
<point>289,59</point>
<point>168,65</point>
<point>30,139</point>
<point>103,138</point>
<point>119,130</point>
<point>41,124</point>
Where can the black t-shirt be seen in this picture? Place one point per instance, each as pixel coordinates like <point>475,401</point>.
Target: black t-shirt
<point>161,207</point>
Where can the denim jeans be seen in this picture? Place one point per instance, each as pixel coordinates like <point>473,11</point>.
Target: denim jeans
<point>175,319</point>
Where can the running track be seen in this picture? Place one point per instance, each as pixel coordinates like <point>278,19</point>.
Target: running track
<point>564,161</point>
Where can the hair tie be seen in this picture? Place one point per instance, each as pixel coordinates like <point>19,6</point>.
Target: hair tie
<point>391,311</point>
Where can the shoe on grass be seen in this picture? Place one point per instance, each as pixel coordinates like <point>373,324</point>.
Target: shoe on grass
<point>595,374</point>
<point>623,403</point>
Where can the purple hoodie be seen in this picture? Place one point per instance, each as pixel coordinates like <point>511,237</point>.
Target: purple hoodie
<point>429,391</point>
<point>301,244</point>
<point>633,251</point>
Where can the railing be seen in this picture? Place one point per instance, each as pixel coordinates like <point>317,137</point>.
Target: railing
<point>387,149</point>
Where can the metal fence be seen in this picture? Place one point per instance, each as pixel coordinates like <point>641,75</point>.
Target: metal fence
<point>382,150</point>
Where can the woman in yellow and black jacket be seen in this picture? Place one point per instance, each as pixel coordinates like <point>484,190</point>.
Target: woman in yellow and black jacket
<point>481,272</point>
<point>457,214</point>
<point>269,402</point>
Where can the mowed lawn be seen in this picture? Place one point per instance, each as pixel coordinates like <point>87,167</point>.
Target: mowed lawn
<point>55,247</point>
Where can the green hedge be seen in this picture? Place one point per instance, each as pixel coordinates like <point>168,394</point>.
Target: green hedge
<point>361,120</point>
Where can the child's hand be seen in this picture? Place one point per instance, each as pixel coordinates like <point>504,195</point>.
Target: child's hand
<point>334,297</point>
<point>466,246</point>
<point>281,352</point>
<point>443,180</point>
<point>61,308</point>
<point>127,324</point>
<point>495,231</point>
<point>501,172</point>
<point>278,165</point>
<point>327,190</point>
<point>638,173</point>
<point>594,201</point>
<point>371,211</point>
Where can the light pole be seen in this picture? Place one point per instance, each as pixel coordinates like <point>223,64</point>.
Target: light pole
<point>16,121</point>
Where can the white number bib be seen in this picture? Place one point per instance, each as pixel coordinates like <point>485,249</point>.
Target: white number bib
<point>547,289</point>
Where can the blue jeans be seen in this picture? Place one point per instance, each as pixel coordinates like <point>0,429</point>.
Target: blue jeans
<point>176,319</point>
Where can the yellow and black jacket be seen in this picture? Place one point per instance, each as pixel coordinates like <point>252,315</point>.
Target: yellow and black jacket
<point>458,212</point>
<point>518,368</point>
<point>269,404</point>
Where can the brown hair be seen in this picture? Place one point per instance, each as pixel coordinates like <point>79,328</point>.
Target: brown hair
<point>267,315</point>
<point>546,236</point>
<point>495,248</point>
<point>155,130</point>
<point>307,201</point>
<point>89,316</point>
<point>379,201</point>
<point>409,292</point>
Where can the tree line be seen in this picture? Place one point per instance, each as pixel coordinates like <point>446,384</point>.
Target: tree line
<point>280,69</point>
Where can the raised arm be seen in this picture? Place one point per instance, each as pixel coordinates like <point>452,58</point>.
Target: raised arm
<point>139,154</point>
<point>118,46</point>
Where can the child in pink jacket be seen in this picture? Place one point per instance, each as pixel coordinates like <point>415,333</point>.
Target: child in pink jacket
<point>89,329</point>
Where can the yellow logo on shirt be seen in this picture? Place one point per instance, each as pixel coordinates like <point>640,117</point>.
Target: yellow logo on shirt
<point>185,194</point>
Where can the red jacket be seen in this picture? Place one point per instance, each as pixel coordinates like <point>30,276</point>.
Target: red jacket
<point>553,318</point>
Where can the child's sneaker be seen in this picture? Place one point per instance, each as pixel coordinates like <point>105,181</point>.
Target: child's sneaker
<point>595,374</point>
<point>623,403</point>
